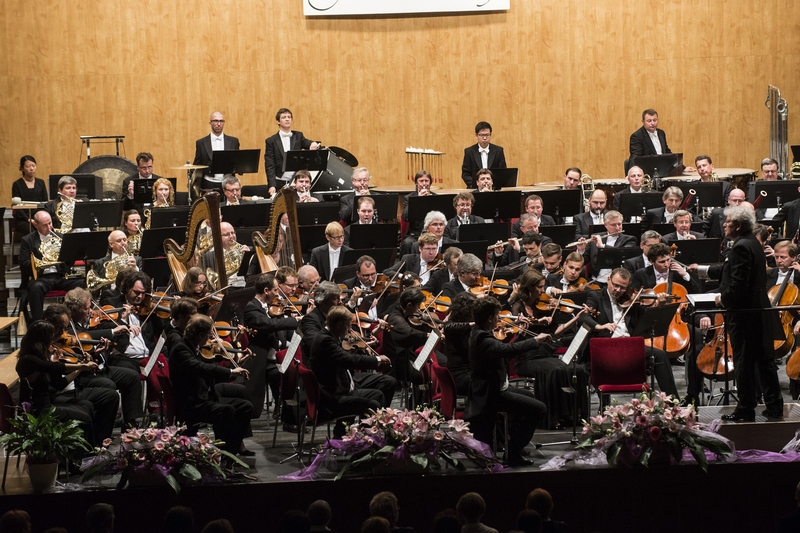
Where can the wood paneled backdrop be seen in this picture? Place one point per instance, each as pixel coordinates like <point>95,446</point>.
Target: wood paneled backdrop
<point>563,82</point>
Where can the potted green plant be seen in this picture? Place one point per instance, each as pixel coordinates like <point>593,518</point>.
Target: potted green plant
<point>45,440</point>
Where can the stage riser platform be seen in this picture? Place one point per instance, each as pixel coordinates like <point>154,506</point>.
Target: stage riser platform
<point>763,434</point>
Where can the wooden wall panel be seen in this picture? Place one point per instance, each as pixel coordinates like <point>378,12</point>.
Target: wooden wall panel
<point>562,82</point>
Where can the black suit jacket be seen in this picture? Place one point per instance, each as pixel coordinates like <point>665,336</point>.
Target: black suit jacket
<point>633,264</point>
<point>412,264</point>
<point>472,162</point>
<point>618,199</point>
<point>624,241</point>
<point>330,363</point>
<point>451,229</point>
<point>321,261</point>
<point>274,154</point>
<point>410,246</point>
<point>669,237</point>
<point>203,152</point>
<point>30,245</point>
<point>646,277</point>
<point>789,213</point>
<point>310,326</point>
<point>654,216</point>
<point>256,317</point>
<point>601,301</point>
<point>583,224</point>
<point>452,288</point>
<point>712,226</point>
<point>437,281</point>
<point>641,144</point>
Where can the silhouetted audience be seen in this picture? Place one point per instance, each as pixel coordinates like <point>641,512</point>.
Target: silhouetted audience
<point>471,507</point>
<point>100,518</point>
<point>541,501</point>
<point>179,519</point>
<point>791,521</point>
<point>294,522</point>
<point>218,526</point>
<point>319,514</point>
<point>15,521</point>
<point>529,522</point>
<point>385,504</point>
<point>447,521</point>
<point>376,524</point>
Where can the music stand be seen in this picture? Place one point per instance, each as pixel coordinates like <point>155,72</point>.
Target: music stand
<point>489,233</point>
<point>245,235</point>
<point>87,186</point>
<point>373,235</point>
<point>153,240</point>
<point>384,203</point>
<point>244,266</point>
<point>234,161</point>
<point>246,215</point>
<point>700,251</point>
<point>562,234</point>
<point>335,176</point>
<point>384,257</point>
<point>83,246</point>
<point>659,166</point>
<point>778,192</point>
<point>633,229</point>
<point>636,205</point>
<point>709,193</point>
<point>165,217</point>
<point>97,214</point>
<point>312,236</point>
<point>317,213</point>
<point>158,270</point>
<point>497,204</point>
<point>653,323</point>
<point>420,206</point>
<point>256,190</point>
<point>143,189</point>
<point>503,177</point>
<point>233,304</point>
<point>561,203</point>
<point>311,160</point>
<point>344,272</point>
<point>610,257</point>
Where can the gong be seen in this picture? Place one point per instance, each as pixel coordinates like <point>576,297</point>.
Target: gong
<point>112,168</point>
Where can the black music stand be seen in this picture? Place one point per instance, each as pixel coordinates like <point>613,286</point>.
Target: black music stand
<point>153,240</point>
<point>255,215</point>
<point>778,192</point>
<point>344,272</point>
<point>653,323</point>
<point>233,304</point>
<point>87,186</point>
<point>420,206</point>
<point>636,205</point>
<point>166,217</point>
<point>610,257</point>
<point>561,203</point>
<point>488,233</point>
<point>497,204</point>
<point>158,270</point>
<point>244,266</point>
<point>234,161</point>
<point>373,235</point>
<point>334,177</point>
<point>83,246</point>
<point>385,203</point>
<point>659,166</point>
<point>143,189</point>
<point>700,251</point>
<point>97,214</point>
<point>245,235</point>
<point>312,236</point>
<point>709,193</point>
<point>384,257</point>
<point>503,177</point>
<point>562,234</point>
<point>317,213</point>
<point>311,160</point>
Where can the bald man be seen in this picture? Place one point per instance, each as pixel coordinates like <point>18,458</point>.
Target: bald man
<point>597,208</point>
<point>118,245</point>
<point>228,240</point>
<point>204,149</point>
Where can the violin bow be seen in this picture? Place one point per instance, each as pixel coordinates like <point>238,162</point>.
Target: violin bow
<point>80,346</point>
<point>155,306</point>
<point>434,267</point>
<point>104,313</point>
<point>633,300</point>
<point>215,337</point>
<point>391,280</point>
<point>294,307</point>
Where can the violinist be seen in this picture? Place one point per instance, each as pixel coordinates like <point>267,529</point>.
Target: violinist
<point>551,260</point>
<point>78,303</point>
<point>549,371</point>
<point>615,238</point>
<point>363,297</point>
<point>570,279</point>
<point>610,305</point>
<point>441,276</point>
<point>326,295</point>
<point>263,366</point>
<point>194,382</point>
<point>288,283</point>
<point>456,340</point>
<point>463,203</point>
<point>180,312</point>
<point>195,284</point>
<point>328,257</point>
<point>434,222</point>
<point>333,366</point>
<point>423,263</point>
<point>469,270</point>
<point>648,239</point>
<point>683,228</point>
<point>40,377</point>
<point>422,187</point>
<point>308,279</point>
<point>365,209</point>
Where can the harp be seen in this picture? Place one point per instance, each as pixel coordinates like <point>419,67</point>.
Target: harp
<point>205,208</point>
<point>285,202</point>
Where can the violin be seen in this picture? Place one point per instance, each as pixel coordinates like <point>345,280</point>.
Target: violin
<point>161,310</point>
<point>220,349</point>
<point>549,303</point>
<point>83,341</point>
<point>582,284</point>
<point>107,312</point>
<point>418,319</point>
<point>66,355</point>
<point>486,286</point>
<point>234,335</point>
<point>286,306</point>
<point>439,303</point>
<point>507,324</point>
<point>384,283</point>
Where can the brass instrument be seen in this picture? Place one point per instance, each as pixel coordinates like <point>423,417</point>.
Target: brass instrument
<point>647,182</point>
<point>714,176</point>
<point>778,130</point>
<point>50,250</point>
<point>205,208</point>
<point>135,242</point>
<point>233,260</point>
<point>149,211</point>
<point>285,202</point>
<point>688,199</point>
<point>587,188</point>
<point>113,266</point>
<point>759,199</point>
<point>206,242</point>
<point>65,211</point>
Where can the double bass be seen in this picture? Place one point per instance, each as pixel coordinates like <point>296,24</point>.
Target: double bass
<point>678,338</point>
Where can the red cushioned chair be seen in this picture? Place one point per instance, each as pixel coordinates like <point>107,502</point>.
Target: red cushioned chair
<point>448,397</point>
<point>617,366</point>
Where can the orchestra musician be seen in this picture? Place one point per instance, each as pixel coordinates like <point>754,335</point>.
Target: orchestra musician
<point>530,244</point>
<point>326,296</point>
<point>422,263</point>
<point>362,298</point>
<point>649,140</point>
<point>594,216</point>
<point>572,178</point>
<point>790,214</point>
<point>302,182</point>
<point>232,192</point>
<point>682,220</point>
<point>489,391</point>
<point>328,257</point>
<point>634,177</point>
<point>67,192</point>
<point>567,281</point>
<point>422,187</point>
<point>277,145</point>
<point>441,276</point>
<point>118,246</point>
<point>333,367</point>
<point>481,155</point>
<point>550,262</point>
<point>614,238</point>
<point>308,279</point>
<point>144,167</point>
<point>534,206</point>
<point>204,149</point>
<point>163,193</point>
<point>132,226</point>
<point>360,180</point>
<point>194,383</point>
<point>366,215</point>
<point>463,203</point>
<point>484,180</point>
<point>469,270</point>
<point>457,327</point>
<point>785,255</point>
<point>672,198</point>
<point>51,277</point>
<point>705,169</point>
<point>434,222</point>
<point>713,225</point>
<point>228,242</point>
<point>648,239</point>
<point>29,189</point>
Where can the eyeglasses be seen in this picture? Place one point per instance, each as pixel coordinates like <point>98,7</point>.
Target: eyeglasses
<point>484,135</point>
<point>219,121</point>
<point>138,293</point>
<point>336,237</point>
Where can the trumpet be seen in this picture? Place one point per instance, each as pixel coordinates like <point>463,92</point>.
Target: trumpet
<point>604,234</point>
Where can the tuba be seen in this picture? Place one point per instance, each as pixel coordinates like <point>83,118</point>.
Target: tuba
<point>113,266</point>
<point>50,250</point>
<point>587,188</point>
<point>65,211</point>
<point>285,202</point>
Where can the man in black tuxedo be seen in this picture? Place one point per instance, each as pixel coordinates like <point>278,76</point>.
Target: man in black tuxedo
<point>50,278</point>
<point>118,245</point>
<point>435,222</point>
<point>785,254</point>
<point>204,149</point>
<point>422,184</point>
<point>421,262</point>
<point>635,177</point>
<point>144,166</point>
<point>280,143</point>
<point>649,140</point>
<point>742,287</point>
<point>682,220</point>
<point>648,239</point>
<point>672,198</point>
<point>326,295</point>
<point>615,239</point>
<point>363,297</point>
<point>360,180</point>
<point>469,270</point>
<point>597,208</point>
<point>365,211</point>
<point>528,250</point>
<point>328,257</point>
<point>333,366</point>
<point>533,206</point>
<point>705,168</point>
<point>232,192</point>
<point>438,279</point>
<point>489,392</point>
<point>481,155</point>
<point>463,202</point>
<point>194,382</point>
<point>607,303</point>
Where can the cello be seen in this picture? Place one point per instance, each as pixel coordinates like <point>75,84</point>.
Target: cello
<point>712,360</point>
<point>677,341</point>
<point>779,295</point>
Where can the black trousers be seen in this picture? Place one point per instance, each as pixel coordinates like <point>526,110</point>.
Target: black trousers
<point>46,283</point>
<point>384,383</point>
<point>229,416</point>
<point>127,382</point>
<point>753,363</point>
<point>525,414</point>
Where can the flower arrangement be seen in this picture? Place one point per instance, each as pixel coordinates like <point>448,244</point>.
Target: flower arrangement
<point>394,437</point>
<point>166,452</point>
<point>649,429</point>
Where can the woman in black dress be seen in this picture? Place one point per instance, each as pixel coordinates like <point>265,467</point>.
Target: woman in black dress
<point>29,189</point>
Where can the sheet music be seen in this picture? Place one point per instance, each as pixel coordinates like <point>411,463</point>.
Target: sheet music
<point>294,343</point>
<point>154,356</point>
<point>433,338</point>
<point>576,344</point>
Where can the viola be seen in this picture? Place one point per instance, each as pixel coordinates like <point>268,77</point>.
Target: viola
<point>220,350</point>
<point>582,284</point>
<point>549,303</point>
<point>384,283</point>
<point>507,324</point>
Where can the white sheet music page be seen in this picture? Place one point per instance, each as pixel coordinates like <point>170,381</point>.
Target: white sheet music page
<point>294,343</point>
<point>433,338</point>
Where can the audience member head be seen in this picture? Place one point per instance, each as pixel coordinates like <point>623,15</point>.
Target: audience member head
<point>100,518</point>
<point>218,526</point>
<point>319,514</point>
<point>384,504</point>
<point>529,522</point>
<point>15,521</point>
<point>178,519</point>
<point>541,501</point>
<point>294,522</point>
<point>471,506</point>
<point>376,524</point>
<point>447,521</point>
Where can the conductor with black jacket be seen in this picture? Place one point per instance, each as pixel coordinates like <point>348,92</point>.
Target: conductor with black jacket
<point>489,392</point>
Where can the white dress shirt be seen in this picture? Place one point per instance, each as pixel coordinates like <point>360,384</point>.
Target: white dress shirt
<point>656,142</point>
